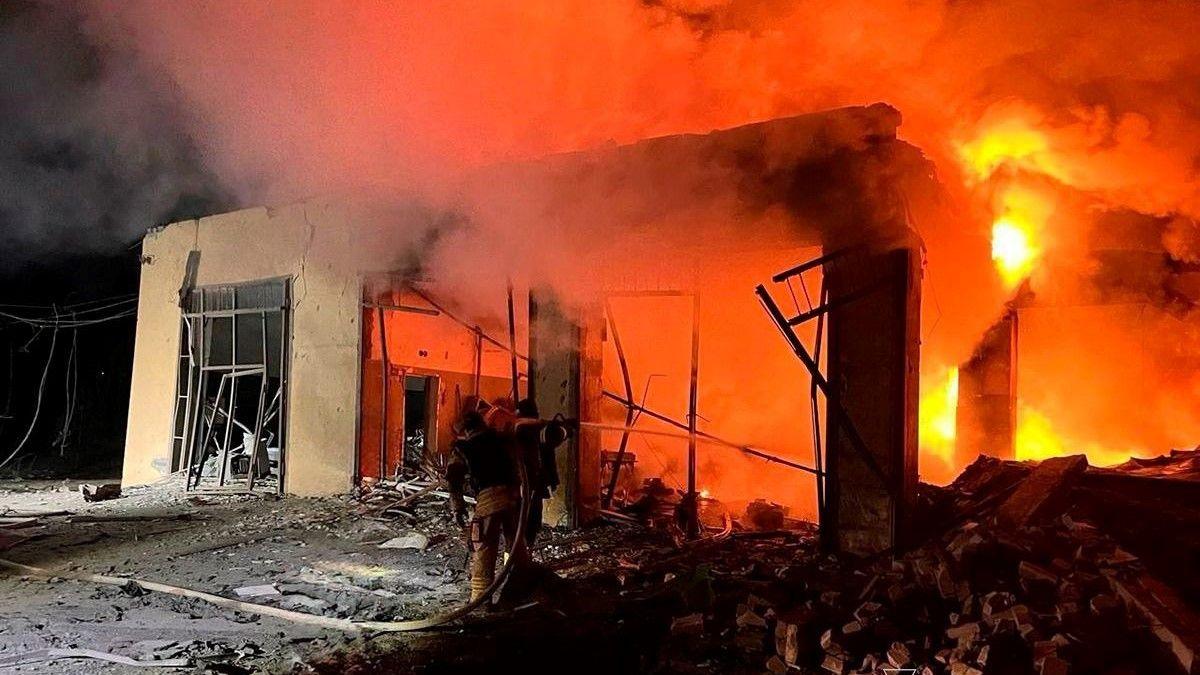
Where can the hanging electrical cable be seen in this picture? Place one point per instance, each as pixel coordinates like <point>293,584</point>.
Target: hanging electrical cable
<point>81,313</point>
<point>69,391</point>
<point>62,323</point>
<point>37,410</point>
<point>73,306</point>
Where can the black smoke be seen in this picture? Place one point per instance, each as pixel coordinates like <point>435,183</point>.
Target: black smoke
<point>93,148</point>
<point>93,151</point>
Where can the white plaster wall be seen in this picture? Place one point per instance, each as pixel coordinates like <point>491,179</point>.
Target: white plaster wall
<point>313,244</point>
<point>148,435</point>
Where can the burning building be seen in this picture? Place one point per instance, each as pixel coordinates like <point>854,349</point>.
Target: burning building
<point>749,330</point>
<point>278,349</point>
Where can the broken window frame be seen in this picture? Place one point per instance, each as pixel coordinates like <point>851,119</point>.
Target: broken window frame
<point>203,306</point>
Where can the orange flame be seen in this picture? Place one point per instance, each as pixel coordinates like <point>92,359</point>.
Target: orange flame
<point>936,418</point>
<point>1012,249</point>
<point>1010,142</point>
<point>1037,439</point>
<point>1018,231</point>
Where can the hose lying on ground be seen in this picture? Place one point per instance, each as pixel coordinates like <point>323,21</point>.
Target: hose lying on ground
<point>516,550</point>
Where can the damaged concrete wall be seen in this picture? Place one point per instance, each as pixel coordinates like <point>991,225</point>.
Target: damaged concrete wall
<point>874,366</point>
<point>309,243</point>
<point>986,417</point>
<point>566,361</point>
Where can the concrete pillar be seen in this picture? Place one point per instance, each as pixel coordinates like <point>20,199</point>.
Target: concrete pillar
<point>873,368</point>
<point>564,378</point>
<point>986,419</point>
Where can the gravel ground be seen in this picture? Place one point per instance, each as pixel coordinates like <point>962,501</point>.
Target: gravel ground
<point>320,556</point>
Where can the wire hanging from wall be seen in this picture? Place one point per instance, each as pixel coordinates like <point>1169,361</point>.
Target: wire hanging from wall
<point>37,410</point>
<point>55,317</point>
<point>71,386</point>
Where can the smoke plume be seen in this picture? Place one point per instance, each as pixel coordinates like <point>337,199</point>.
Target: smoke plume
<point>93,147</point>
<point>1044,112</point>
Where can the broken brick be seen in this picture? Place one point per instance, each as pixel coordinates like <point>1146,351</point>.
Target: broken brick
<point>899,654</point>
<point>776,665</point>
<point>787,642</point>
<point>1052,665</point>
<point>963,668</point>
<point>1041,490</point>
<point>692,624</point>
<point>867,612</point>
<point>965,634</point>
<point>834,663</point>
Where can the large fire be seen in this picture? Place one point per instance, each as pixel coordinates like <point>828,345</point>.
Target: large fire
<point>1038,439</point>
<point>1008,142</point>
<point>1018,233</point>
<point>1042,118</point>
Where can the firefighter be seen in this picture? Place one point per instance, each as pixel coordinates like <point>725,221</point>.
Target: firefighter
<point>537,440</point>
<point>488,460</point>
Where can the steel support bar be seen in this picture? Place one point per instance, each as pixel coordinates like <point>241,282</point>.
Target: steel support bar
<point>384,393</point>
<point>818,454</point>
<point>465,324</point>
<point>478,361</point>
<point>512,345</point>
<point>606,499</point>
<point>402,308</point>
<point>829,305</point>
<point>226,313</point>
<point>808,265</point>
<point>693,527</point>
<point>262,403</point>
<point>831,396</point>
<point>709,437</point>
<point>647,294</point>
<point>240,369</point>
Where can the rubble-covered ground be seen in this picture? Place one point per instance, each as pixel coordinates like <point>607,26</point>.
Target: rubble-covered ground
<point>318,556</point>
<point>1020,571</point>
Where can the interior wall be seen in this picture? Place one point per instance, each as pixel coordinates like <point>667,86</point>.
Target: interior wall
<point>985,421</point>
<point>420,344</point>
<point>310,243</point>
<point>453,388</point>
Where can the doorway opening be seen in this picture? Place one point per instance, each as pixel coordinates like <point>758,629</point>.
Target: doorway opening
<point>420,417</point>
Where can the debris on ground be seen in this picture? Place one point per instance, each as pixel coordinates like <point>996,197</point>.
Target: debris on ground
<point>1060,579</point>
<point>413,540</point>
<point>100,493</point>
